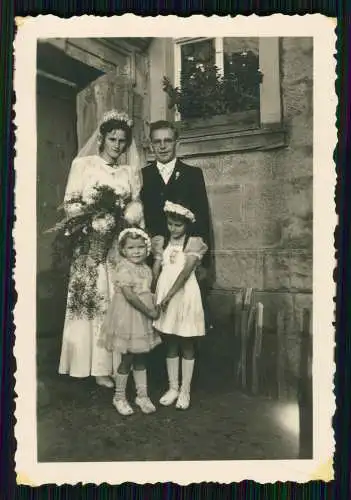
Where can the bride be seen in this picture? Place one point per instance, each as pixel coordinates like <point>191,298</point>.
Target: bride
<point>97,165</point>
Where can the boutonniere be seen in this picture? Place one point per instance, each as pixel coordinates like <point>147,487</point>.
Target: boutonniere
<point>177,174</point>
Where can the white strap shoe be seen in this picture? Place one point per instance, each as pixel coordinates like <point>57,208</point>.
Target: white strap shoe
<point>183,401</point>
<point>104,382</point>
<point>169,397</point>
<point>123,407</point>
<point>145,404</point>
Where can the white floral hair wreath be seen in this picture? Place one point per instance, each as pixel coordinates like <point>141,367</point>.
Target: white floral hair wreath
<point>120,116</point>
<point>135,231</point>
<point>175,208</point>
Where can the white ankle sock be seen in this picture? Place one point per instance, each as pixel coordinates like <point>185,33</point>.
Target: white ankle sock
<point>173,373</point>
<point>121,384</point>
<point>140,380</point>
<point>187,374</point>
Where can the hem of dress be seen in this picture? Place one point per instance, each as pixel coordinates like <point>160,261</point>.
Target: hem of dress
<point>128,351</point>
<point>198,335</point>
<point>86,376</point>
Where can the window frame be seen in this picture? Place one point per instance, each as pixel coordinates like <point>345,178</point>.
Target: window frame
<point>269,133</point>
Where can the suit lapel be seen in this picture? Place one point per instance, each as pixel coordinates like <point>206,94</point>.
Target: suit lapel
<point>156,174</point>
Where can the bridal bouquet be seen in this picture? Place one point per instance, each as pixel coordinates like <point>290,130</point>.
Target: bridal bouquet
<point>92,217</point>
<point>86,233</point>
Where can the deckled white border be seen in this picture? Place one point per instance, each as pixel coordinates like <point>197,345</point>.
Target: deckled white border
<point>29,30</point>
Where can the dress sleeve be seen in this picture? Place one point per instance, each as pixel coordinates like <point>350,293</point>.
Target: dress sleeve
<point>75,180</point>
<point>134,213</point>
<point>196,247</point>
<point>157,244</point>
<point>74,186</point>
<point>123,276</point>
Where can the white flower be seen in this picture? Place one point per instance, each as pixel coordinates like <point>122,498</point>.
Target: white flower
<point>117,115</point>
<point>120,190</point>
<point>103,224</point>
<point>67,233</point>
<point>176,208</point>
<point>74,209</point>
<point>120,203</point>
<point>85,230</point>
<point>133,213</point>
<point>89,195</point>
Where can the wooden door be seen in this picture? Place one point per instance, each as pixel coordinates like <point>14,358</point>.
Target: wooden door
<point>56,148</point>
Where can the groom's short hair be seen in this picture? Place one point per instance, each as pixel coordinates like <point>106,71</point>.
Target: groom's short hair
<point>163,124</point>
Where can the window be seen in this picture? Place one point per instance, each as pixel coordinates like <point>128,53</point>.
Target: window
<point>226,93</point>
<point>247,77</point>
<point>218,76</point>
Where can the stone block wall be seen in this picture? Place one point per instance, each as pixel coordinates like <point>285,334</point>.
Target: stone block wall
<point>262,203</point>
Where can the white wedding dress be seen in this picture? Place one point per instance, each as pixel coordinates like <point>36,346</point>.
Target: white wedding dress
<point>80,354</point>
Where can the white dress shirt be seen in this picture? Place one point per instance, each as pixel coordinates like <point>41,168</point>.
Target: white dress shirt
<point>166,169</point>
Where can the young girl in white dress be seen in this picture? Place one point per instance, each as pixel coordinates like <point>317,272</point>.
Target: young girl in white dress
<point>127,328</point>
<point>181,318</point>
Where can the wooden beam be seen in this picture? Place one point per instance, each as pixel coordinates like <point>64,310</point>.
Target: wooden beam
<point>257,347</point>
<point>281,385</point>
<point>305,392</point>
<point>269,60</point>
<point>91,52</point>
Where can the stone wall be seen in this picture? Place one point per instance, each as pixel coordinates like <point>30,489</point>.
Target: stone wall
<point>261,205</point>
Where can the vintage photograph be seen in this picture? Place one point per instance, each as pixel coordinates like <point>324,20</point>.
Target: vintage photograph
<point>175,235</point>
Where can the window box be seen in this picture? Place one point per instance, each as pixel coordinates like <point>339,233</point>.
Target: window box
<point>234,121</point>
<point>212,141</point>
<point>250,130</point>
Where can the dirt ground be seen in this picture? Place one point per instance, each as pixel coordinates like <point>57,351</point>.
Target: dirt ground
<point>77,422</point>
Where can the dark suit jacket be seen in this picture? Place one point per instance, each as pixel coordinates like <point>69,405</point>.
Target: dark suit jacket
<point>186,186</point>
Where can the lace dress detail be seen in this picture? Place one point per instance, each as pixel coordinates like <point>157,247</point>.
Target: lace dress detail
<point>184,315</point>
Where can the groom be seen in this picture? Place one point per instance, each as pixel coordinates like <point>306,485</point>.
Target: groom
<point>169,178</point>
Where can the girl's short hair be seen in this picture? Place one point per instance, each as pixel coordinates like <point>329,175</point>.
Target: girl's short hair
<point>134,233</point>
<point>113,124</point>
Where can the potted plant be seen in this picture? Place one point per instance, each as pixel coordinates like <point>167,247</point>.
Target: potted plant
<point>207,97</point>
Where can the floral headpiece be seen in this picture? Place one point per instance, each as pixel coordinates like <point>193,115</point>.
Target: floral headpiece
<point>120,116</point>
<point>135,231</point>
<point>175,208</point>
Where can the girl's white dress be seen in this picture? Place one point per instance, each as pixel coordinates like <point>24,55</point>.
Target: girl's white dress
<point>184,315</point>
<point>81,356</point>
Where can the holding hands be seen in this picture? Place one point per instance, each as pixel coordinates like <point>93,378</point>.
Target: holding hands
<point>155,313</point>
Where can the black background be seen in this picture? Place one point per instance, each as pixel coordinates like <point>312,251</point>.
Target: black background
<point>341,487</point>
